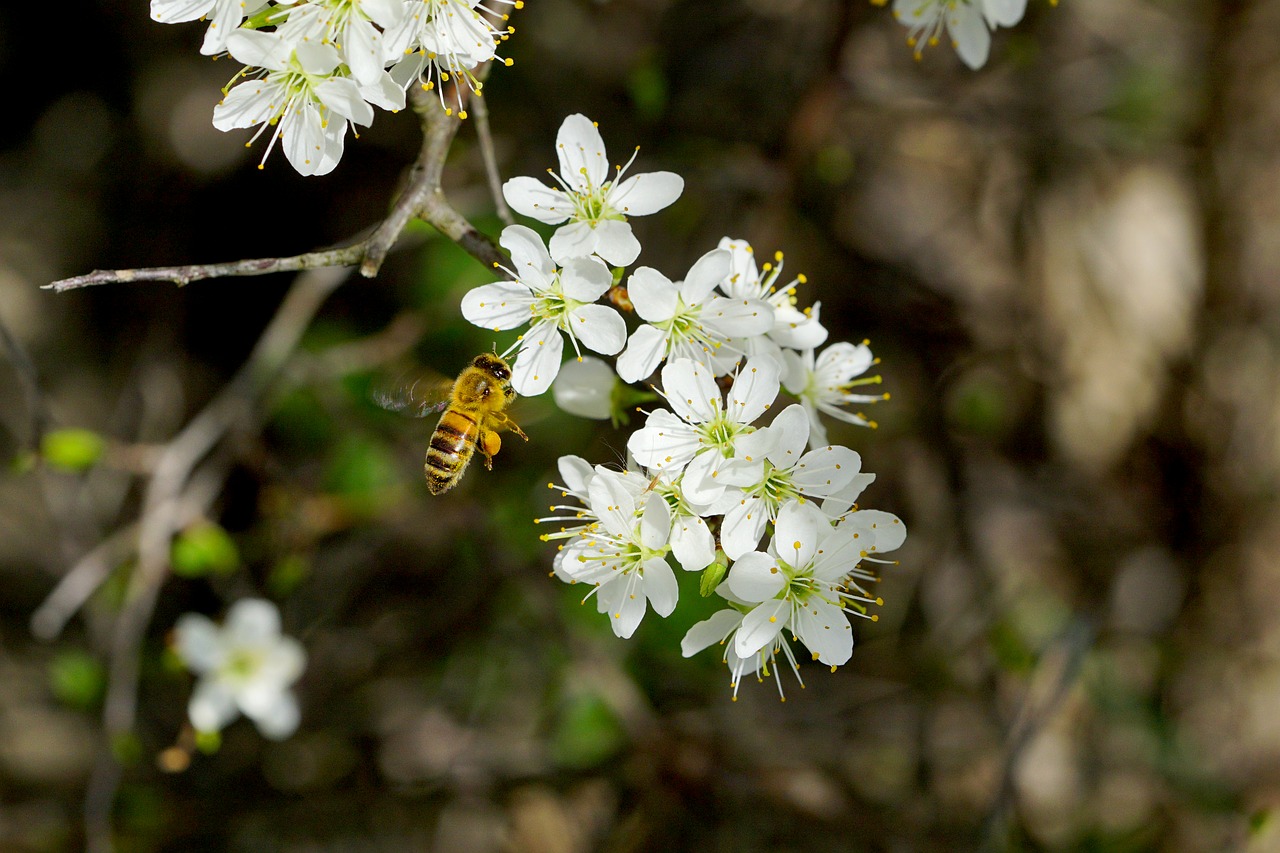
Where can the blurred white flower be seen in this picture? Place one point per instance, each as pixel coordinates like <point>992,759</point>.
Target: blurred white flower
<point>552,301</point>
<point>687,320</point>
<point>298,90</point>
<point>964,21</point>
<point>246,666</point>
<point>825,384</point>
<point>585,388</point>
<point>596,207</point>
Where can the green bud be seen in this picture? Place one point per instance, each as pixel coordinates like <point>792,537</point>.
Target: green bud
<point>77,679</point>
<point>208,742</point>
<point>72,450</point>
<point>713,574</point>
<point>204,549</point>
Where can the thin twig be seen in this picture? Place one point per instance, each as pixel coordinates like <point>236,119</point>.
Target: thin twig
<point>423,198</point>
<point>24,367</point>
<point>487,153</point>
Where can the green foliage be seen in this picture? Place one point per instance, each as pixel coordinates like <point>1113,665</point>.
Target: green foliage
<point>77,679</point>
<point>72,450</point>
<point>586,732</point>
<point>647,87</point>
<point>204,549</point>
<point>363,473</point>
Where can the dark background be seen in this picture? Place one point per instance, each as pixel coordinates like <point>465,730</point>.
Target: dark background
<point>1067,262</point>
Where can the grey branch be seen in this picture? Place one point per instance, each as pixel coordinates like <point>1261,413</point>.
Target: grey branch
<point>423,198</point>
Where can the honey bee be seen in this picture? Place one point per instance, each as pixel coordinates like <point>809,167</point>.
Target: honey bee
<point>474,414</point>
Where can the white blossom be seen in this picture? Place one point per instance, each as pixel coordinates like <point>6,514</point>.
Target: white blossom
<point>712,441</point>
<point>302,95</point>
<point>792,328</point>
<point>595,207</point>
<point>442,40</point>
<point>788,474</point>
<point>623,554</point>
<point>688,320</point>
<point>552,301</point>
<point>354,27</point>
<point>246,666</point>
<point>825,384</point>
<point>799,585</point>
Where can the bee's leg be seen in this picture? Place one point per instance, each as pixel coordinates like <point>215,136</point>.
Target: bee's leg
<point>504,422</point>
<point>489,444</point>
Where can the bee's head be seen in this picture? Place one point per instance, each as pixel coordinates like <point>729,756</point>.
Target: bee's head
<point>492,365</point>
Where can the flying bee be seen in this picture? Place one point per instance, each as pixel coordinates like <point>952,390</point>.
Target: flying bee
<point>474,413</point>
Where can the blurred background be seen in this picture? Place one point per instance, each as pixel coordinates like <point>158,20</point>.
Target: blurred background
<point>1067,261</point>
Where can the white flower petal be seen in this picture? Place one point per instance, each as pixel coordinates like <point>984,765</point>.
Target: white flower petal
<point>538,361</point>
<point>761,627</point>
<point>278,719</point>
<point>626,606</point>
<point>791,428</point>
<point>179,11</point>
<point>249,103</point>
<point>211,707</point>
<point>743,526</point>
<point>252,621</point>
<point>575,240</point>
<point>643,354</point>
<point>665,443</point>
<point>969,32</point>
<point>530,259</point>
<point>342,95</point>
<point>198,642</point>
<point>701,482</point>
<point>1004,13</point>
<point>615,242</point>
<point>660,586</point>
<point>529,197</point>
<point>654,296</point>
<point>498,306</point>
<point>825,471</point>
<point>706,272</point>
<point>825,630</point>
<point>655,522</point>
<point>709,631</point>
<point>222,24</point>
<point>754,389</point>
<point>692,543</point>
<point>886,529</point>
<point>317,59</point>
<point>843,501</point>
<point>599,327</point>
<point>585,279</point>
<point>641,195</point>
<point>363,51</point>
<point>756,577</point>
<point>738,318</point>
<point>612,503</point>
<point>691,390</point>
<point>583,163</point>
<point>798,530</point>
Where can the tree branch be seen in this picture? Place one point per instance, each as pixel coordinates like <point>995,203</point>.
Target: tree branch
<point>423,198</point>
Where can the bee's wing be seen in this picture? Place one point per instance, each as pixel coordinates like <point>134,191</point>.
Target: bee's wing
<point>423,396</point>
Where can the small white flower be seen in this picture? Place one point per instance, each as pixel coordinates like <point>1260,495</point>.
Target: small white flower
<point>792,328</point>
<point>713,442</point>
<point>965,22</point>
<point>687,320</point>
<point>246,666</point>
<point>624,553</point>
<point>721,628</point>
<point>552,301</point>
<point>440,40</point>
<point>824,384</point>
<point>586,388</point>
<point>223,16</point>
<point>301,95</point>
<point>1004,13</point>
<point>786,476</point>
<point>596,208</point>
<point>800,585</point>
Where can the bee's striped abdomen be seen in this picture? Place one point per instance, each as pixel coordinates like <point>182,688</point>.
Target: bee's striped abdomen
<point>452,445</point>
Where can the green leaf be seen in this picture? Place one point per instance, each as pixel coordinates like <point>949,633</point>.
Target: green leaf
<point>204,549</point>
<point>72,450</point>
<point>587,732</point>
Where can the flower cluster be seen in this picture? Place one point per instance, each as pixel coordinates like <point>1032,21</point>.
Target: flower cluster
<point>967,23</point>
<point>315,68</point>
<point>764,513</point>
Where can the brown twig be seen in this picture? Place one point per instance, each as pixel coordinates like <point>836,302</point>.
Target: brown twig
<point>423,198</point>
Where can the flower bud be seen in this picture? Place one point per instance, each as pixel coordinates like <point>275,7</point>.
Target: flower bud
<point>585,388</point>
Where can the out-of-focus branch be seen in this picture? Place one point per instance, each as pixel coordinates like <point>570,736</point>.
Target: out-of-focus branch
<point>162,516</point>
<point>490,157</point>
<point>423,198</point>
